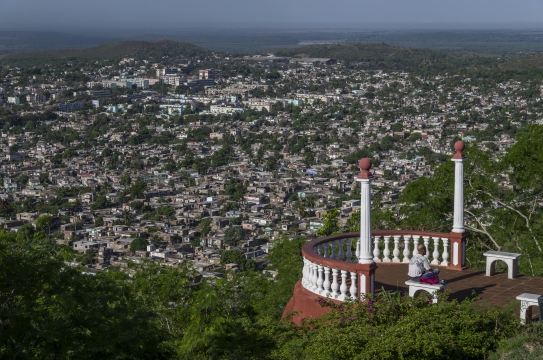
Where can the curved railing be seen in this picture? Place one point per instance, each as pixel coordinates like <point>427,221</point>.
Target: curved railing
<point>331,266</point>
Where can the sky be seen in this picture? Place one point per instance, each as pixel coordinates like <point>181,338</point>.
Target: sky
<point>158,14</point>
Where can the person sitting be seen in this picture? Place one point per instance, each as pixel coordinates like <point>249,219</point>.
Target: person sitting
<point>419,265</point>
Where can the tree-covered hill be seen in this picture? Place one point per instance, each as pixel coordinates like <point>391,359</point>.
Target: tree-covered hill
<point>136,49</point>
<point>387,57</point>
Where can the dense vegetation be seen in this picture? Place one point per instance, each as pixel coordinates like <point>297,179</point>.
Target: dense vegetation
<point>386,57</point>
<point>134,49</point>
<point>50,311</point>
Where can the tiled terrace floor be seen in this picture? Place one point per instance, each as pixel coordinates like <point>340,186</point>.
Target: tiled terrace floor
<point>497,289</point>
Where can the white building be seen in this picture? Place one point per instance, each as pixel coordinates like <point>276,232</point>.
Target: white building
<point>14,100</point>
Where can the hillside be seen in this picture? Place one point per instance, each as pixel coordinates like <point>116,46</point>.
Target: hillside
<point>138,49</point>
<point>387,57</point>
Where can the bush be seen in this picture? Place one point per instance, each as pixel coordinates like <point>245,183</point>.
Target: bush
<point>524,346</point>
<point>394,328</point>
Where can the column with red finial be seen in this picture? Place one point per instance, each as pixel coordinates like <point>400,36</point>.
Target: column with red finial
<point>366,266</point>
<point>458,234</point>
<point>365,178</point>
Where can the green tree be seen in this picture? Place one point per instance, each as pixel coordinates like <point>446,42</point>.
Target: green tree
<point>330,224</point>
<point>126,180</point>
<point>138,244</point>
<point>99,221</point>
<point>44,222</point>
<point>137,190</point>
<point>233,235</point>
<point>237,257</point>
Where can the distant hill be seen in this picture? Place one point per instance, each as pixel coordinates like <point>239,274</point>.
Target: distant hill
<point>387,57</point>
<point>137,49</point>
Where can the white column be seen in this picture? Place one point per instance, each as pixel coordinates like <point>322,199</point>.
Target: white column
<point>458,225</point>
<point>333,254</point>
<point>366,256</point>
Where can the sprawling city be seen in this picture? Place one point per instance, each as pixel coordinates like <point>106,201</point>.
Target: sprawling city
<point>260,199</point>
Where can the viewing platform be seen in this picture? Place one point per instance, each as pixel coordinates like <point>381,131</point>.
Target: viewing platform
<point>344,266</point>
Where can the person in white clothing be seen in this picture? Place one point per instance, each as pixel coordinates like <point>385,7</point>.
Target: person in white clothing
<point>419,264</point>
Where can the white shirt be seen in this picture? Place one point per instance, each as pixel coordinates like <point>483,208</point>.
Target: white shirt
<point>417,265</point>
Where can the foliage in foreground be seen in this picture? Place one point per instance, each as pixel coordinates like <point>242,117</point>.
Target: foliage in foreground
<point>394,328</point>
<point>50,310</point>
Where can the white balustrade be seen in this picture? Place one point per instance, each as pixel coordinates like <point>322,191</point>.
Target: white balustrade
<point>386,252</point>
<point>426,245</point>
<point>320,279</point>
<point>326,284</point>
<point>313,277</point>
<point>435,254</point>
<point>343,287</point>
<point>349,252</point>
<point>340,251</point>
<point>325,280</point>
<point>353,289</point>
<point>415,244</point>
<point>335,284</point>
<point>376,250</point>
<point>406,252</point>
<point>396,252</point>
<point>445,261</point>
<point>304,273</point>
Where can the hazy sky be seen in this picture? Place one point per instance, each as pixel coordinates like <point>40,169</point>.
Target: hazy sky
<point>60,14</point>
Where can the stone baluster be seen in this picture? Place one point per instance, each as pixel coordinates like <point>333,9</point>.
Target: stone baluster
<point>376,251</point>
<point>343,287</point>
<point>435,254</point>
<point>340,250</point>
<point>349,252</point>
<point>319,250</point>
<point>415,244</point>
<point>445,261</point>
<point>406,249</point>
<point>427,244</point>
<point>304,273</point>
<point>396,251</point>
<point>325,250</point>
<point>357,252</point>
<point>313,277</point>
<point>320,279</point>
<point>353,289</point>
<point>326,283</point>
<point>335,285</point>
<point>386,252</point>
<point>333,253</point>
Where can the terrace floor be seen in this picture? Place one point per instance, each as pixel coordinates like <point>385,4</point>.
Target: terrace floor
<point>496,290</point>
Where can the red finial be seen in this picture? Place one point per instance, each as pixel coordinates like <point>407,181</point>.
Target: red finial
<point>459,146</point>
<point>365,166</point>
